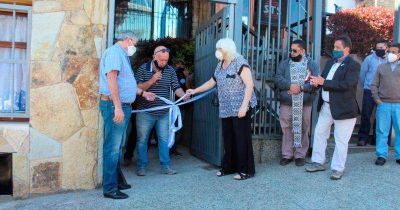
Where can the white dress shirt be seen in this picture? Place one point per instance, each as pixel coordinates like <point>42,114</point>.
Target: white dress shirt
<point>325,94</point>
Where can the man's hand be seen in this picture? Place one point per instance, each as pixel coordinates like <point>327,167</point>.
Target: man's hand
<point>242,111</point>
<point>118,115</point>
<point>191,91</point>
<point>317,80</point>
<point>294,89</point>
<point>157,76</point>
<point>149,96</point>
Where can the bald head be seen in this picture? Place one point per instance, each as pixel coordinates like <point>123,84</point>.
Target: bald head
<point>161,55</point>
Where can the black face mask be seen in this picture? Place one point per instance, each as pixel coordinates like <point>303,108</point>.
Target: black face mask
<point>380,53</point>
<point>159,67</point>
<point>296,58</point>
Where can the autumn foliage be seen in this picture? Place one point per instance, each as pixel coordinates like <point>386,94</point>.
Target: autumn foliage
<point>364,25</point>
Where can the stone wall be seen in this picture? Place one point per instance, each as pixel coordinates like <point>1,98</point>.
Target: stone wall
<point>58,149</point>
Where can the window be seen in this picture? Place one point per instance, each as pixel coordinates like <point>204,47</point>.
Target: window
<point>15,24</point>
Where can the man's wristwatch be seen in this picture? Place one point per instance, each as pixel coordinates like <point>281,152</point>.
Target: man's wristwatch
<point>301,88</point>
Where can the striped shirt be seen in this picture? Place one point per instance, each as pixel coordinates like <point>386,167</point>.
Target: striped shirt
<point>163,87</point>
<point>116,58</point>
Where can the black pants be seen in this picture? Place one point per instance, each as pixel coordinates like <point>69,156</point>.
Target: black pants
<point>368,106</point>
<point>238,156</point>
<point>131,141</point>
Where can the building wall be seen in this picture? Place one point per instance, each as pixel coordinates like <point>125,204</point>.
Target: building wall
<point>58,149</point>
<point>390,4</point>
<point>201,14</point>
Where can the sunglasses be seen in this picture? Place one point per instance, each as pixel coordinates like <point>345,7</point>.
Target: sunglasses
<point>165,50</point>
<point>293,51</point>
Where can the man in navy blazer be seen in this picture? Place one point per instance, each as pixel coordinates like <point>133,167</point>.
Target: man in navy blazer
<point>337,105</point>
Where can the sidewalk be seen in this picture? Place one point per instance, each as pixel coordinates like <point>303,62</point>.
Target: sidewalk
<point>364,186</point>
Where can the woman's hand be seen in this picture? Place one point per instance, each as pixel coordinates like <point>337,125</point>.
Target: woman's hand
<point>242,111</point>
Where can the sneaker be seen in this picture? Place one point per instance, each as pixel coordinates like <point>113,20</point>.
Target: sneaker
<point>168,171</point>
<point>285,161</point>
<point>398,161</point>
<point>314,167</point>
<point>141,172</point>
<point>299,161</point>
<point>380,161</point>
<point>336,175</point>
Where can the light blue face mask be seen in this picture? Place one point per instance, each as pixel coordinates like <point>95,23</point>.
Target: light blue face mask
<point>336,54</point>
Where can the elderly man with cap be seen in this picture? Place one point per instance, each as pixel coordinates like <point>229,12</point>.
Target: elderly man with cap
<point>118,91</point>
<point>160,78</point>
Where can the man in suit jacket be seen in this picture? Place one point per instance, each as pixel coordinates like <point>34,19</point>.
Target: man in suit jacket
<point>337,105</point>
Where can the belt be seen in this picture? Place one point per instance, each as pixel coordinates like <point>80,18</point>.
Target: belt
<point>108,98</point>
<point>326,102</point>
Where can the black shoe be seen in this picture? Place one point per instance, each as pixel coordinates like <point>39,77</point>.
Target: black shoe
<point>361,143</point>
<point>380,161</point>
<point>175,152</point>
<point>124,186</point>
<point>116,195</point>
<point>285,161</point>
<point>299,162</point>
<point>398,161</point>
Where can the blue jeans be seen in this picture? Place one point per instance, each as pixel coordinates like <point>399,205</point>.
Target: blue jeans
<point>113,144</point>
<point>386,113</point>
<point>144,124</point>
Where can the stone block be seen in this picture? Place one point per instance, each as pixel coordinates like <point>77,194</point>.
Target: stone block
<point>75,40</point>
<point>55,111</point>
<point>42,146</point>
<point>47,6</point>
<point>45,73</point>
<point>46,176</point>
<point>20,173</point>
<point>45,28</point>
<point>91,118</point>
<point>80,160</point>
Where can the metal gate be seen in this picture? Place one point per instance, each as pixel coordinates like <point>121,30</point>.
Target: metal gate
<point>206,137</point>
<point>265,39</point>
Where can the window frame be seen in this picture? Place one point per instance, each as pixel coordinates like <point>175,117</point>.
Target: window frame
<point>28,9</point>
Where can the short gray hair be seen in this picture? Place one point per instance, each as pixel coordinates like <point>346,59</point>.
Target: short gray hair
<point>126,35</point>
<point>228,46</point>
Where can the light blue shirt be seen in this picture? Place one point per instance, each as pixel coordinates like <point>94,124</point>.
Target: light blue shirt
<point>368,69</point>
<point>116,58</point>
<point>394,65</point>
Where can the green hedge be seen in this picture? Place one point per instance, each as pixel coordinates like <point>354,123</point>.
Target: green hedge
<point>181,49</point>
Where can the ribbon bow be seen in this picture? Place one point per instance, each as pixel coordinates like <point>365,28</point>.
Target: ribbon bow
<point>174,113</point>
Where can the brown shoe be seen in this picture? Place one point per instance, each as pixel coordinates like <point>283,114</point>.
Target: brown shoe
<point>285,161</point>
<point>299,162</point>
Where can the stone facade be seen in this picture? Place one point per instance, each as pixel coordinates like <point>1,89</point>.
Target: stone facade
<point>68,38</point>
<point>58,149</point>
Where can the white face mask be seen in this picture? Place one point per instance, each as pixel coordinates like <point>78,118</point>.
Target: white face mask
<point>392,57</point>
<point>218,55</point>
<point>131,50</point>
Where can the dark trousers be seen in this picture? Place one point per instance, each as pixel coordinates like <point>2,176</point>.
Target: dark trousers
<point>238,156</point>
<point>131,141</point>
<point>368,105</point>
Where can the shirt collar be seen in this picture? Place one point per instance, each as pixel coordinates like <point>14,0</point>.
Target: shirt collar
<point>122,49</point>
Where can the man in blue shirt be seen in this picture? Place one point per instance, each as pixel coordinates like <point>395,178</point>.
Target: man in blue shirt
<point>118,91</point>
<point>367,73</point>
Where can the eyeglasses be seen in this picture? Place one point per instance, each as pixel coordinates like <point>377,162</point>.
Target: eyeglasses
<point>293,51</point>
<point>165,50</point>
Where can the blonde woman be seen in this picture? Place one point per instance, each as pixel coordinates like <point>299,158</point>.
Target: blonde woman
<point>236,97</point>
